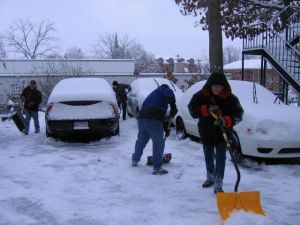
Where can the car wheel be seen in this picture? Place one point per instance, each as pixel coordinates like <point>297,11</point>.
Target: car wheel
<point>180,129</point>
<point>118,130</point>
<point>129,114</point>
<point>236,148</point>
<point>48,134</point>
<point>52,135</point>
<point>137,111</point>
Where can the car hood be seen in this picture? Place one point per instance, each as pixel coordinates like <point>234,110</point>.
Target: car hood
<point>273,121</point>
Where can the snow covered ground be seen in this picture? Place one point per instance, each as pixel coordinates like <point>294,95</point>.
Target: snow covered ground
<point>48,182</point>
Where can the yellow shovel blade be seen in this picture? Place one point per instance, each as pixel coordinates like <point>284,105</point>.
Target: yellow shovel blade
<point>230,201</point>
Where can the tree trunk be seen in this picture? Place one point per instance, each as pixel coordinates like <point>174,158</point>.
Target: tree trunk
<point>215,36</point>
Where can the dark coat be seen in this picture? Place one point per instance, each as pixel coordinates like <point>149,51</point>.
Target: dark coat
<point>121,93</point>
<point>156,103</point>
<point>33,97</point>
<point>228,103</point>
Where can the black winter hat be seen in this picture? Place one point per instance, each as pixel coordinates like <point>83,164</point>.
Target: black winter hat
<point>115,83</point>
<point>218,78</point>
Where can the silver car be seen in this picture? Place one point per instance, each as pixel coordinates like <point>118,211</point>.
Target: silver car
<point>141,88</point>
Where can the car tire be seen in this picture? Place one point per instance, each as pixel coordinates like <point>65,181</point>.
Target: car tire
<point>137,110</point>
<point>236,148</point>
<point>180,129</point>
<point>118,130</point>
<point>52,135</point>
<point>129,114</point>
<point>48,134</point>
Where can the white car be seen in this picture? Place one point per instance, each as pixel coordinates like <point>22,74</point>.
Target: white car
<point>141,88</point>
<point>268,129</point>
<point>82,106</point>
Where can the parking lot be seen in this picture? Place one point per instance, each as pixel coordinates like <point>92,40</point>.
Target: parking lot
<point>48,181</point>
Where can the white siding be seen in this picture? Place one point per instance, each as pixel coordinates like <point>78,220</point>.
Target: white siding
<point>86,67</point>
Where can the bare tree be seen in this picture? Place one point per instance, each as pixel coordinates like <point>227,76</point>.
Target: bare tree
<point>32,40</point>
<point>2,50</point>
<point>56,70</point>
<point>54,55</point>
<point>231,54</point>
<point>114,46</point>
<point>146,63</point>
<point>74,53</point>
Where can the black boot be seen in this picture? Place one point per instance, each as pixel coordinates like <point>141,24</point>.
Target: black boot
<point>207,183</point>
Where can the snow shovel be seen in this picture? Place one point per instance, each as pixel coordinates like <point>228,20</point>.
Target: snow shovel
<point>168,156</point>
<point>230,201</point>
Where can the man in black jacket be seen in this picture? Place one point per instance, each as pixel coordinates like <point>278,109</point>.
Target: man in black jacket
<point>32,98</point>
<point>215,96</point>
<point>121,95</point>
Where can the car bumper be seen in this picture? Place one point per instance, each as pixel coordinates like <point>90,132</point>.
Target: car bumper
<point>270,148</point>
<point>99,127</point>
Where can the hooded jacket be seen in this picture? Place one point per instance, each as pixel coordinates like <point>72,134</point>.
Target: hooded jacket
<point>156,104</point>
<point>228,103</point>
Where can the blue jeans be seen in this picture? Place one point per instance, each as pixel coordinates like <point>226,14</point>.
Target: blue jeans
<point>35,116</point>
<point>150,129</point>
<point>215,171</point>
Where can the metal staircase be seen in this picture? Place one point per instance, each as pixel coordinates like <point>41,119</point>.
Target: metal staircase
<point>281,49</point>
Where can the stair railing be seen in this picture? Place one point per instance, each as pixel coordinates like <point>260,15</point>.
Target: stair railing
<point>293,29</point>
<point>261,35</point>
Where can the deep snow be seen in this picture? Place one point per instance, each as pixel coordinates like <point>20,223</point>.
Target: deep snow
<point>45,181</point>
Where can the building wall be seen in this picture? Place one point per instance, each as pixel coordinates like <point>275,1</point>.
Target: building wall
<point>67,66</point>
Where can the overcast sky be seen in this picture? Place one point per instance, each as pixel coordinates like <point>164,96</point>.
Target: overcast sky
<point>156,24</point>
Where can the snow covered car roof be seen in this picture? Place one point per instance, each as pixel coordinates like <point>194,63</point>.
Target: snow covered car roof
<point>81,89</point>
<point>243,90</point>
<point>144,86</point>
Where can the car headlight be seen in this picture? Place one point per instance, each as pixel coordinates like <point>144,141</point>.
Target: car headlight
<point>249,130</point>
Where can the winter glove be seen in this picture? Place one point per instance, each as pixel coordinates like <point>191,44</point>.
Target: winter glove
<point>173,111</point>
<point>219,122</point>
<point>215,110</point>
<point>166,125</point>
<point>167,132</point>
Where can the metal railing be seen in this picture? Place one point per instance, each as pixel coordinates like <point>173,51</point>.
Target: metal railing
<point>262,36</point>
<point>293,28</point>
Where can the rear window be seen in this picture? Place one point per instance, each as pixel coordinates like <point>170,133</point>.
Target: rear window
<point>80,102</point>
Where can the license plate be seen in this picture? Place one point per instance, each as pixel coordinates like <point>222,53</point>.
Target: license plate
<point>81,125</point>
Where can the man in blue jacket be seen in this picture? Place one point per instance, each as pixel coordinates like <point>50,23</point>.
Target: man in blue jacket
<point>150,125</point>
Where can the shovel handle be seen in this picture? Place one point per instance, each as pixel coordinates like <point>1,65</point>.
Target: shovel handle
<point>228,144</point>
